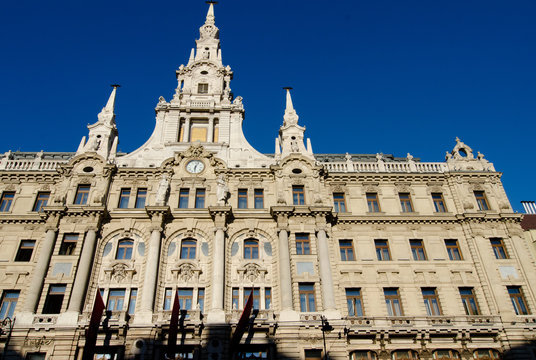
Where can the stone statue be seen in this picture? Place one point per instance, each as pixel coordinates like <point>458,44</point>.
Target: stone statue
<point>222,192</point>
<point>162,191</point>
<point>237,100</point>
<point>294,146</point>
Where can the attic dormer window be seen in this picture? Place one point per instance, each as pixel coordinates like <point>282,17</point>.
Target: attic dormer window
<point>202,88</point>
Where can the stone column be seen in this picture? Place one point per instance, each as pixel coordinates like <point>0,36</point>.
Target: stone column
<point>218,270</point>
<point>217,313</point>
<point>210,133</point>
<point>186,136</point>
<point>151,271</point>
<point>285,280</point>
<point>324,267</point>
<point>40,271</point>
<point>82,273</point>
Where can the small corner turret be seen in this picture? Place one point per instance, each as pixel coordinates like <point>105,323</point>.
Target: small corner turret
<point>461,158</point>
<point>291,138</point>
<point>102,138</point>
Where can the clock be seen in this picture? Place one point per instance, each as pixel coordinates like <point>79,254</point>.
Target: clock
<point>195,166</point>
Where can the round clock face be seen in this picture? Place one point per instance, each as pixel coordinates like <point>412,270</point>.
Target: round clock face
<point>195,166</point>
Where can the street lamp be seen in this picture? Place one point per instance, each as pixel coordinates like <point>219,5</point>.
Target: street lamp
<point>9,323</point>
<point>326,327</point>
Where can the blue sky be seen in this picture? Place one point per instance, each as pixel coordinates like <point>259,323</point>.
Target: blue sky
<point>368,76</point>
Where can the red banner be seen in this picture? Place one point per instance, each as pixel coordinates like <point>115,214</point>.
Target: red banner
<point>93,329</point>
<point>242,323</point>
<point>173,327</point>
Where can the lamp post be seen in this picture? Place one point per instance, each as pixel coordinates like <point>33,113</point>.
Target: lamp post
<point>10,323</point>
<point>326,327</point>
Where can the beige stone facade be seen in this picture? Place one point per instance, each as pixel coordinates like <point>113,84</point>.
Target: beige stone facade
<point>404,259</point>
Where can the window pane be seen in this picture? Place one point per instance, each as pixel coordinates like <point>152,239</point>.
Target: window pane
<point>184,195</point>
<point>140,198</point>
<point>9,303</point>
<point>41,201</point>
<point>25,250</point>
<point>124,197</point>
<point>82,195</point>
<point>259,198</point>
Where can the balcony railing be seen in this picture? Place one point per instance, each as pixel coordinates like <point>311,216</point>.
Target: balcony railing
<point>389,167</point>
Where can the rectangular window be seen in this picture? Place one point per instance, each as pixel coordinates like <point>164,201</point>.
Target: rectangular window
<point>198,133</point>
<point>168,298</point>
<point>431,301</point>
<point>25,250</point>
<point>392,301</point>
<point>339,203</point>
<point>184,195</point>
<point>469,301</point>
<point>268,298</point>
<point>201,299</point>
<point>82,195</point>
<point>202,88</point>
<point>132,301</point>
<point>298,195</point>
<point>382,250</point>
<point>124,197</point>
<point>373,203</point>
<point>417,249</point>
<point>36,356</point>
<point>185,298</point>
<point>313,354</point>
<point>518,300</point>
<point>200,198</point>
<point>303,244</point>
<point>141,196</point>
<point>439,202</point>
<point>235,299</point>
<point>256,297</point>
<point>453,249</point>
<point>116,299</point>
<point>242,198</point>
<point>498,248</point>
<point>346,248</point>
<point>259,198</point>
<point>54,299</point>
<point>307,297</point>
<point>68,244</point>
<point>481,200</point>
<point>354,302</point>
<point>9,303</point>
<point>6,201</point>
<point>405,202</point>
<point>41,201</point>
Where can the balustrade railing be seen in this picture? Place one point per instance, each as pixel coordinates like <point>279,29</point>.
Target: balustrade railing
<point>388,167</point>
<point>30,164</point>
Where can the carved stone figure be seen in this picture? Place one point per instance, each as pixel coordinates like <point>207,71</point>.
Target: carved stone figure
<point>222,192</point>
<point>162,191</point>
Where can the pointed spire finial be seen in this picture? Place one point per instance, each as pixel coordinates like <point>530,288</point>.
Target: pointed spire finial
<point>290,106</point>
<point>290,116</point>
<point>110,105</point>
<point>210,13</point>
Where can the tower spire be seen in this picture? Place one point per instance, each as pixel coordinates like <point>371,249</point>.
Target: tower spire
<point>210,14</point>
<point>110,105</point>
<point>290,117</point>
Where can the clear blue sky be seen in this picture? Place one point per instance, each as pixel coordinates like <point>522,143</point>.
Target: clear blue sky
<point>368,76</point>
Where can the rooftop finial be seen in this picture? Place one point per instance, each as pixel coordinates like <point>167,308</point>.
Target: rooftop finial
<point>110,105</point>
<point>290,106</point>
<point>210,13</point>
<point>290,116</point>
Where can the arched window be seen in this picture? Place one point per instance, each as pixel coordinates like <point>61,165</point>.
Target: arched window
<point>486,354</point>
<point>188,247</point>
<point>363,355</point>
<point>405,354</point>
<point>124,250</point>
<point>446,354</point>
<point>251,249</point>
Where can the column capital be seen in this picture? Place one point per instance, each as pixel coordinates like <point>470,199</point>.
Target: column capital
<point>220,215</point>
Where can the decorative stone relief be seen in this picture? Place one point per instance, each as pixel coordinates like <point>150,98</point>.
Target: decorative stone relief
<point>119,273</point>
<point>252,272</point>
<point>186,273</point>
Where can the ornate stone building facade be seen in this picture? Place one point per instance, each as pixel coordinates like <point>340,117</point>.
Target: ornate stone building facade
<point>404,259</point>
